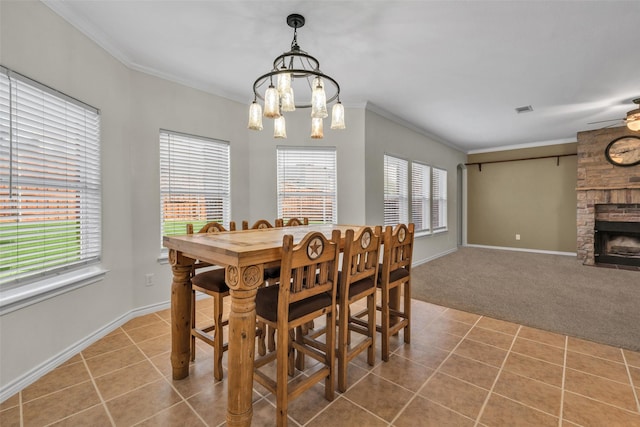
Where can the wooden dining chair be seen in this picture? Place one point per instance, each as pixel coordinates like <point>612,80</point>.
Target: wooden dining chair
<point>292,222</point>
<point>261,223</point>
<point>307,290</point>
<point>394,283</point>
<point>211,283</point>
<point>271,273</point>
<point>271,277</point>
<point>358,280</point>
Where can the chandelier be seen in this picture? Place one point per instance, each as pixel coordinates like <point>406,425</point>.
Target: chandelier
<point>633,117</point>
<point>296,68</point>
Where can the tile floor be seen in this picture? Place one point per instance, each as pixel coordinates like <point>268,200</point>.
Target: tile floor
<point>460,369</point>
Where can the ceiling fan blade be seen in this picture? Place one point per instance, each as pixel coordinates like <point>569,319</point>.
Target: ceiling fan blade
<point>604,121</point>
<point>611,125</point>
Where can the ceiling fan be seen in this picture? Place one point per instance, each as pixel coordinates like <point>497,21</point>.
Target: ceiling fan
<point>632,120</point>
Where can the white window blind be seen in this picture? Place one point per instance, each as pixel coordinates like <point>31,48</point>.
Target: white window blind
<point>396,191</point>
<point>194,182</point>
<point>307,184</point>
<point>420,196</point>
<point>50,192</point>
<point>439,199</point>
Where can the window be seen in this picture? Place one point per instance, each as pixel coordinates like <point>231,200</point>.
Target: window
<point>428,195</point>
<point>420,196</point>
<point>396,190</point>
<point>194,182</point>
<point>439,202</point>
<point>307,184</point>
<point>50,193</point>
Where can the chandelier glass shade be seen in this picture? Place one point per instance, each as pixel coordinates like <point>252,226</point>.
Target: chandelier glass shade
<point>316,128</point>
<point>255,116</point>
<point>296,73</point>
<point>279,128</point>
<point>633,118</point>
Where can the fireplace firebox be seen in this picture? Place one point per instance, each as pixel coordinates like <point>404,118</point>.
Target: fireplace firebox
<point>617,243</point>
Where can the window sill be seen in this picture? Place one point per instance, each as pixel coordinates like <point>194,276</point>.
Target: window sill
<point>163,258</point>
<point>32,293</point>
<point>429,233</point>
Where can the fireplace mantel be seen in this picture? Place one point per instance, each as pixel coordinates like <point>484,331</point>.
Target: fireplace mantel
<point>605,188</point>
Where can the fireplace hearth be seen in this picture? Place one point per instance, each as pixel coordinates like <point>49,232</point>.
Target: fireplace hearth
<point>617,243</point>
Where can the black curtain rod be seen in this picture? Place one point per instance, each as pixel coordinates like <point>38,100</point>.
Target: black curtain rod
<point>557,157</point>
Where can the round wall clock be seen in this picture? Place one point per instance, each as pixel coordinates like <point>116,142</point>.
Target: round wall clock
<point>624,151</point>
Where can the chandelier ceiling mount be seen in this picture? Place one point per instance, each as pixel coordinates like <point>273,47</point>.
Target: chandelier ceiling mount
<point>295,21</point>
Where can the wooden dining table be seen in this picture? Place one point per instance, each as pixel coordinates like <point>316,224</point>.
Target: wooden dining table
<point>244,254</point>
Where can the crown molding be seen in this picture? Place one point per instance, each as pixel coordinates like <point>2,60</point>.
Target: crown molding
<point>525,145</point>
<point>80,23</point>
<point>402,122</point>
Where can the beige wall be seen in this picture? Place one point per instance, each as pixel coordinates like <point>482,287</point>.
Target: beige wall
<point>533,198</point>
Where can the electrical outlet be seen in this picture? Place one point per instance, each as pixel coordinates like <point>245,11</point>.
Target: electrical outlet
<point>148,279</point>
<point>517,237</point>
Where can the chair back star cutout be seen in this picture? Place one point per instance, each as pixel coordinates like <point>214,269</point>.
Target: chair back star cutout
<point>365,239</point>
<point>315,248</point>
<point>402,234</point>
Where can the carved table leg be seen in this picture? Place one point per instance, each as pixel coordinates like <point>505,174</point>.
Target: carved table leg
<point>180,314</point>
<point>243,283</point>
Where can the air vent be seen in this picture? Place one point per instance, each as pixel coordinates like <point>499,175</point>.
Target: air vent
<point>525,109</point>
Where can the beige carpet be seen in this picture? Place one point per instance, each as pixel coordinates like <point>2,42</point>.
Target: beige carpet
<point>551,292</point>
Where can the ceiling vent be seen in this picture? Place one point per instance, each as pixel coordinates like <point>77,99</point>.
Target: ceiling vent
<point>525,109</point>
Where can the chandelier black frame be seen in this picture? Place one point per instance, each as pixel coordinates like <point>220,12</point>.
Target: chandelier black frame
<point>285,63</point>
<point>296,64</point>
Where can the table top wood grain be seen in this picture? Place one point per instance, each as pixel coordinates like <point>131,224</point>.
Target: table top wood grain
<point>246,247</point>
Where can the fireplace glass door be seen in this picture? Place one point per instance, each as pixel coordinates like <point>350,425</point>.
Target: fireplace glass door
<point>617,243</point>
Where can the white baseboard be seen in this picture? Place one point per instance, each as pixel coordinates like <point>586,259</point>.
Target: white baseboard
<point>36,373</point>
<point>538,251</point>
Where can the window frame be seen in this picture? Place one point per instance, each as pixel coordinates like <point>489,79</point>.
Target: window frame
<point>436,177</point>
<point>51,156</point>
<point>181,177</point>
<point>443,202</point>
<point>51,175</point>
<point>326,157</point>
<point>396,189</point>
<point>424,196</point>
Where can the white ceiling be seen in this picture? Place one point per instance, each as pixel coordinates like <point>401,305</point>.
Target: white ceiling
<point>455,70</point>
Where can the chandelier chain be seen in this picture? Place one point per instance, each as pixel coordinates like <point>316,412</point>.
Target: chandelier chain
<point>294,42</point>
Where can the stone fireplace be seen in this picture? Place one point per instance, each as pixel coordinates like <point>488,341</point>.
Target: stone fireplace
<point>608,211</point>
